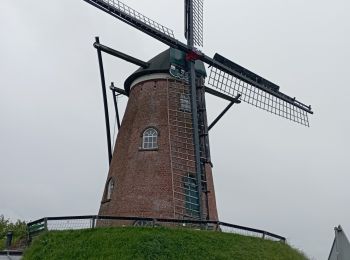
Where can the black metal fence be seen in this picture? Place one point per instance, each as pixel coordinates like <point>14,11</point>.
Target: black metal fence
<point>94,221</point>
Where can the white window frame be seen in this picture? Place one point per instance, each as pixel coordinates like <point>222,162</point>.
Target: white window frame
<point>150,139</point>
<point>110,188</point>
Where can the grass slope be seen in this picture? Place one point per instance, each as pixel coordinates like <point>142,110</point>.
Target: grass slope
<point>155,243</point>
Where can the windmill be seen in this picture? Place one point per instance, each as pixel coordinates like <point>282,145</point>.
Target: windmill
<point>193,190</point>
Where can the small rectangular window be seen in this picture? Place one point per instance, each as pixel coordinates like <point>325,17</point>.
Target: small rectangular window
<point>185,103</point>
<point>191,195</point>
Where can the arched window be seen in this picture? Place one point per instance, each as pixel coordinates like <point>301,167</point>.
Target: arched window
<point>150,139</point>
<point>110,187</point>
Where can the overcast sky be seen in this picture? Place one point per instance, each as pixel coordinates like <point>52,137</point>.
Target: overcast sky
<point>269,173</point>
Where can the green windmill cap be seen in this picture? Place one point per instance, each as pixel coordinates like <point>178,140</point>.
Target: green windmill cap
<point>162,64</point>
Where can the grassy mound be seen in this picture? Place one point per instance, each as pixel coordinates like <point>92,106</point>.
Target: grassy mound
<point>155,243</point>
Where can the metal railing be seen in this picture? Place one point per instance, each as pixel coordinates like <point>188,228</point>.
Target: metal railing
<point>93,221</point>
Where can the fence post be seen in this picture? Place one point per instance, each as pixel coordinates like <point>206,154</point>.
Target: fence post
<point>9,237</point>
<point>45,224</point>
<point>264,234</point>
<point>29,238</point>
<point>93,225</point>
<point>217,226</point>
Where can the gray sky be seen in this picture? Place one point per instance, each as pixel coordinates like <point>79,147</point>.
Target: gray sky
<point>269,173</point>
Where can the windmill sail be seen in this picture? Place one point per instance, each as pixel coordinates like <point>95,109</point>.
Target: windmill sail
<point>233,79</point>
<point>198,22</point>
<point>226,76</point>
<point>129,15</point>
<point>197,14</point>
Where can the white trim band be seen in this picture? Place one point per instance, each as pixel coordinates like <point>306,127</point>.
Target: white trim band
<point>150,77</point>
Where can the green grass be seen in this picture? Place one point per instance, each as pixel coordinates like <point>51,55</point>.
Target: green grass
<point>155,243</point>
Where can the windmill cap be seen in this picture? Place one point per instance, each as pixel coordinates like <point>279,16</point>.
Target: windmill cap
<point>162,64</point>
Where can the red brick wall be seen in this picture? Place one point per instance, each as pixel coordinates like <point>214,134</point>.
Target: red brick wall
<point>144,180</point>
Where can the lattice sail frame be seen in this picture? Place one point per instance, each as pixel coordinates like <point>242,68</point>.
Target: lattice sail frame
<point>123,8</point>
<point>198,22</point>
<point>233,86</point>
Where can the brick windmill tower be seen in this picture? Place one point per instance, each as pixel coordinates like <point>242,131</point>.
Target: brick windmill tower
<point>153,171</point>
<point>161,164</point>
